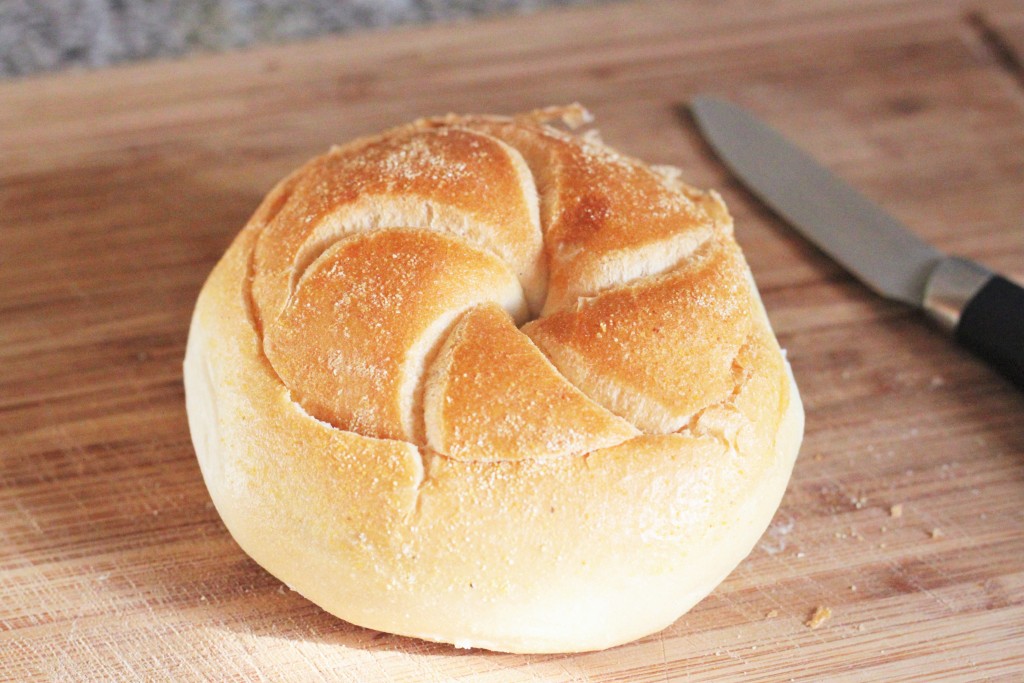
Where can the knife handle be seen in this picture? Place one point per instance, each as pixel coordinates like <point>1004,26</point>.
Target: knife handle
<point>992,326</point>
<point>984,311</point>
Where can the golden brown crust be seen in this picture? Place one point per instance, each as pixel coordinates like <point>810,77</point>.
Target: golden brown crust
<point>480,411</point>
<point>566,496</point>
<point>657,350</point>
<point>355,337</point>
<point>607,218</point>
<point>440,179</point>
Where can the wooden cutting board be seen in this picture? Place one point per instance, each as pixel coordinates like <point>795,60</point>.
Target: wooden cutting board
<point>119,189</point>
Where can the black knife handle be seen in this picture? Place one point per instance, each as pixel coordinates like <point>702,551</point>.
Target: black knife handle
<point>992,326</point>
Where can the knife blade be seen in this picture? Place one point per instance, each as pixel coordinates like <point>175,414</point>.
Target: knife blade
<point>982,310</point>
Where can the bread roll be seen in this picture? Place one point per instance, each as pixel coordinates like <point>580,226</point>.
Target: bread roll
<point>481,381</point>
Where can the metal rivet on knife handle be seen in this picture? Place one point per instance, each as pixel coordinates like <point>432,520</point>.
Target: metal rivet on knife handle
<point>953,283</point>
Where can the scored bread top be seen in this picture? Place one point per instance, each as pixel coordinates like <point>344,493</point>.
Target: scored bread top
<point>477,410</point>
<point>389,277</point>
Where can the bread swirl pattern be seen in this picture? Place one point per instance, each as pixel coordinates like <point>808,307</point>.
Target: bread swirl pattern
<point>381,246</point>
<point>478,311</point>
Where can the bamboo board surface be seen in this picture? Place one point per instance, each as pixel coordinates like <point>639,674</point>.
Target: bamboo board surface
<point>119,190</point>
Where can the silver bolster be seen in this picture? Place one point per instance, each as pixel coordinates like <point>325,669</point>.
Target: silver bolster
<point>952,283</point>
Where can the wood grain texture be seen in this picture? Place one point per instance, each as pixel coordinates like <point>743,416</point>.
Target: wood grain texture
<point>120,189</point>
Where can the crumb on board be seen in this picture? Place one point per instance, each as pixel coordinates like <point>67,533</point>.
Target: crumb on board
<point>771,614</point>
<point>937,533</point>
<point>820,615</point>
<point>896,510</point>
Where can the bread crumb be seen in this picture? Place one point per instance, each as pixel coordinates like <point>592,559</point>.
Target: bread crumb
<point>896,510</point>
<point>771,614</point>
<point>573,116</point>
<point>937,533</point>
<point>820,616</point>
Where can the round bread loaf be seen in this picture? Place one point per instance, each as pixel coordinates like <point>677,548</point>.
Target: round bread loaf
<point>481,381</point>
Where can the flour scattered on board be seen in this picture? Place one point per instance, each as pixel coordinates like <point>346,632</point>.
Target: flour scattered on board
<point>774,540</point>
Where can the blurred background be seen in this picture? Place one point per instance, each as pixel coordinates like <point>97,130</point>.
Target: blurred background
<point>50,35</point>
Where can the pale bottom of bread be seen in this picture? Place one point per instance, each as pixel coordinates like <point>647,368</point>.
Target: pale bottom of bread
<point>571,554</point>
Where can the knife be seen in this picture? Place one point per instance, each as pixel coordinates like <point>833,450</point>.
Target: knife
<point>983,311</point>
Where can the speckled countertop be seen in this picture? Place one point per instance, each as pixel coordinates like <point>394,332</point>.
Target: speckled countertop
<point>49,35</point>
